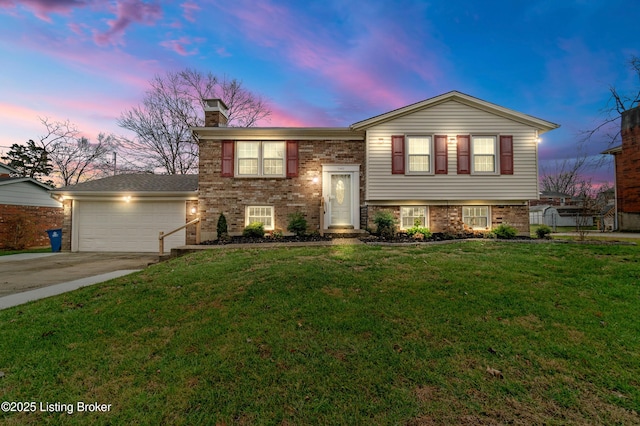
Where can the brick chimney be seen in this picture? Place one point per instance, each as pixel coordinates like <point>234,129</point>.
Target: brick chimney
<point>215,113</point>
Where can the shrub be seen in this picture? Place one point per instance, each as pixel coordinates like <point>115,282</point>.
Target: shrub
<point>543,231</point>
<point>254,230</point>
<point>297,224</point>
<point>222,227</point>
<point>386,223</point>
<point>505,231</point>
<point>418,231</point>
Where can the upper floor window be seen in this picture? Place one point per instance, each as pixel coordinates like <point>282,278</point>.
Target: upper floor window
<point>483,149</point>
<point>260,158</point>
<point>419,154</point>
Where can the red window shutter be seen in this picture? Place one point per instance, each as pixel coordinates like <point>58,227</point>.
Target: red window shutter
<point>227,158</point>
<point>292,158</point>
<point>397,155</point>
<point>506,155</point>
<point>441,154</point>
<point>464,154</point>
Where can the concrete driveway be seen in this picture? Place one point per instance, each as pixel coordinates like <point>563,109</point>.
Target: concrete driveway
<point>22,273</point>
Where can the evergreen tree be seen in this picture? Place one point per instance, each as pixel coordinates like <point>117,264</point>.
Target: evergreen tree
<point>29,160</point>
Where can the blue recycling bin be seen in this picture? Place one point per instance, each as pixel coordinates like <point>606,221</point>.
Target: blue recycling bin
<point>55,237</point>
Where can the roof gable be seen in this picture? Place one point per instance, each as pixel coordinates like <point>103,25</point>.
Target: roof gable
<point>14,180</point>
<point>6,169</point>
<point>537,123</point>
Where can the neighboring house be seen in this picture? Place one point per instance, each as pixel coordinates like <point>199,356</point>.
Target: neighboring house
<point>26,211</point>
<point>126,213</point>
<point>627,172</point>
<point>450,162</point>
<point>565,216</point>
<point>552,198</point>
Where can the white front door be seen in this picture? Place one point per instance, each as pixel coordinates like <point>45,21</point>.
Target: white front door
<point>341,194</point>
<point>340,200</point>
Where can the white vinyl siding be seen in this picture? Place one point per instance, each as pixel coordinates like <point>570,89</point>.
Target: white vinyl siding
<point>452,118</point>
<point>26,193</point>
<point>262,214</point>
<point>409,215</point>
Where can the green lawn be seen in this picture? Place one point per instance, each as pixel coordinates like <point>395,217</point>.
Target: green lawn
<point>31,250</point>
<point>479,332</point>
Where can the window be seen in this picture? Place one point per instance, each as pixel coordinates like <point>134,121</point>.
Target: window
<point>419,154</point>
<point>476,217</point>
<point>260,158</point>
<point>483,149</point>
<point>262,214</point>
<point>409,216</point>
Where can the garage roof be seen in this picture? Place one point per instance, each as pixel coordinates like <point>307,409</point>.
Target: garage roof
<point>134,183</point>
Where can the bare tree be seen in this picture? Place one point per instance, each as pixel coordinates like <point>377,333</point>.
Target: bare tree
<point>72,158</point>
<point>78,160</point>
<point>567,176</point>
<point>618,102</point>
<point>171,107</point>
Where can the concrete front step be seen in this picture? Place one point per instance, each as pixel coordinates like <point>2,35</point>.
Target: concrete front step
<point>345,233</point>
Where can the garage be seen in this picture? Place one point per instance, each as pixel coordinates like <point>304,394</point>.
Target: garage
<point>127,226</point>
<point>125,213</point>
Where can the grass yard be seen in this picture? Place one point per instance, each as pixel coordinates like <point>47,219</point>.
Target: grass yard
<point>479,332</point>
<point>4,252</point>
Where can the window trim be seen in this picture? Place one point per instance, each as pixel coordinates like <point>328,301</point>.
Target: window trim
<point>261,160</point>
<point>408,156</point>
<point>488,216</point>
<point>496,166</point>
<point>426,216</point>
<point>266,228</point>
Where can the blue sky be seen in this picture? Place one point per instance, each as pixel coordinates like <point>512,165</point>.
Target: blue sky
<point>319,63</point>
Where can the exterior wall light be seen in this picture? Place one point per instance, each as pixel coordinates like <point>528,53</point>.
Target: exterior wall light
<point>193,210</point>
<point>126,198</point>
<point>315,179</point>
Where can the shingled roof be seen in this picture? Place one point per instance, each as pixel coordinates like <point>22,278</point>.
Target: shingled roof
<point>135,183</point>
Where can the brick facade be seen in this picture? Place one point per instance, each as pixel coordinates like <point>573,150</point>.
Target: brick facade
<point>66,224</point>
<point>26,226</point>
<point>628,163</point>
<point>448,219</point>
<point>231,195</point>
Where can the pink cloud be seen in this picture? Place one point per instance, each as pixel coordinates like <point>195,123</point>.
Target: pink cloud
<point>43,8</point>
<point>180,45</point>
<point>364,65</point>
<point>128,12</point>
<point>190,9</point>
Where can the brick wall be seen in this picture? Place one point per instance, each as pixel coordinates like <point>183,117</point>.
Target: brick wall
<point>628,163</point>
<point>34,220</point>
<point>66,225</point>
<point>449,218</point>
<point>232,195</point>
<point>191,230</point>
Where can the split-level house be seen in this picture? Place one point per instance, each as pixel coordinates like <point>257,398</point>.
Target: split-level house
<point>450,163</point>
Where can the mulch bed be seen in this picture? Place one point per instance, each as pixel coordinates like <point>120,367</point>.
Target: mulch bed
<point>248,240</point>
<point>399,238</point>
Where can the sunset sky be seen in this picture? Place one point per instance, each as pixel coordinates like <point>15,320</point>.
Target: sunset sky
<point>319,63</point>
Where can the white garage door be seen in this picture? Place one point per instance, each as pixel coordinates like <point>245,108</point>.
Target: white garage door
<point>127,227</point>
